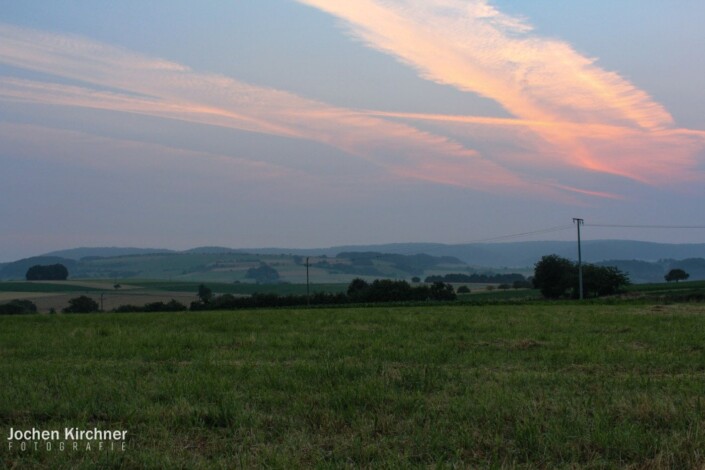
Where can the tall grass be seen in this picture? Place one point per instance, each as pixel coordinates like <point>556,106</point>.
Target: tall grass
<point>549,386</point>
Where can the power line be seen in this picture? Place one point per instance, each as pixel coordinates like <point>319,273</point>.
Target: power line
<point>695,227</point>
<point>559,228</point>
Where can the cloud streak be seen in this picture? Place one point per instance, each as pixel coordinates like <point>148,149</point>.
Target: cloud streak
<point>106,77</point>
<point>561,95</point>
<point>568,113</point>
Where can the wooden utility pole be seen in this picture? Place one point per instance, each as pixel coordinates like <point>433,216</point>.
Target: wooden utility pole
<point>579,222</point>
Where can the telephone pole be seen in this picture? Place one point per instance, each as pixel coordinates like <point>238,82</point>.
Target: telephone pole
<point>579,222</point>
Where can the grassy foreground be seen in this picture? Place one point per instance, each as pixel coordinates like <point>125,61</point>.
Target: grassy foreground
<point>551,386</point>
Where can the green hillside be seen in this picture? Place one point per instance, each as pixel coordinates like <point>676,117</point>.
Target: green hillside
<point>234,267</point>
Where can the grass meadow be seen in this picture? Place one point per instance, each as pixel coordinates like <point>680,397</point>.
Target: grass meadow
<point>534,386</point>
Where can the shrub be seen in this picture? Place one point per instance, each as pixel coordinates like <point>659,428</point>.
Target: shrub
<point>127,308</point>
<point>171,306</point>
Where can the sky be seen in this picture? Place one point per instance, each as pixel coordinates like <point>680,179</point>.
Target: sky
<point>316,123</point>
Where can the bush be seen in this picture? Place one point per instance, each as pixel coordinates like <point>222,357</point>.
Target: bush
<point>463,290</point>
<point>128,308</point>
<point>18,307</point>
<point>171,306</point>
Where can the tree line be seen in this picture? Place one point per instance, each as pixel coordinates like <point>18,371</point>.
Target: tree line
<point>554,276</point>
<point>478,278</point>
<point>358,291</point>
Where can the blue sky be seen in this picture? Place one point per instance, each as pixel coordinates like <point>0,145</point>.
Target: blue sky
<point>318,122</point>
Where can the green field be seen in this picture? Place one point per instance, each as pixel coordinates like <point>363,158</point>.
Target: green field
<point>542,386</point>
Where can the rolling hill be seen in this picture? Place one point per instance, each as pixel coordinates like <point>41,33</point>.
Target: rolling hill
<point>644,261</point>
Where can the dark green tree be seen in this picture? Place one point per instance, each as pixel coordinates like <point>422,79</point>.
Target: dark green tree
<point>555,276</point>
<point>52,272</point>
<point>603,280</point>
<point>676,275</point>
<point>442,291</point>
<point>82,304</point>
<point>357,289</point>
<point>205,294</point>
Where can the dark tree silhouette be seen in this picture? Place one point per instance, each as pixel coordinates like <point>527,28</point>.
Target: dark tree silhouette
<point>676,275</point>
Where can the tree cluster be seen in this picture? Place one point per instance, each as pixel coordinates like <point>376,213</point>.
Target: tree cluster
<point>478,278</point>
<point>557,277</point>
<point>387,290</point>
<point>359,291</point>
<point>52,272</point>
<point>263,274</point>
<point>171,306</point>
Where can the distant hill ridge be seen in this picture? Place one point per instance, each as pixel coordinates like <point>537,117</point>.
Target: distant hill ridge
<point>105,252</point>
<point>644,261</point>
<point>492,255</point>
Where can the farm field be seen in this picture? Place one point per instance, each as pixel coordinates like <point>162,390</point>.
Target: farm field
<point>533,386</point>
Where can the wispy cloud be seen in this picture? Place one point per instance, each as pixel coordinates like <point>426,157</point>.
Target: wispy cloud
<point>546,84</point>
<point>110,78</point>
<point>568,112</point>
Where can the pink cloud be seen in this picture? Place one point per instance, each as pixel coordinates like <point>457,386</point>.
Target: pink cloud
<point>160,88</point>
<point>589,118</point>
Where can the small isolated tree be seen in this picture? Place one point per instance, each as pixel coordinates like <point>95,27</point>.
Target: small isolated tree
<point>676,275</point>
<point>463,290</point>
<point>82,304</point>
